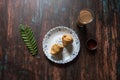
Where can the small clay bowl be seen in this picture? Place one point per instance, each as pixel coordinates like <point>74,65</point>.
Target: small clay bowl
<point>91,44</point>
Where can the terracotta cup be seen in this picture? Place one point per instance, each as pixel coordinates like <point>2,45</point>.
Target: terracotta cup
<point>91,44</point>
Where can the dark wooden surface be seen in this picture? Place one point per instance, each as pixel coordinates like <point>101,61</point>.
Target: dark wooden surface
<point>16,63</point>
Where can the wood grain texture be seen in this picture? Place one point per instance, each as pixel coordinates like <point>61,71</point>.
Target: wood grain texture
<point>16,63</point>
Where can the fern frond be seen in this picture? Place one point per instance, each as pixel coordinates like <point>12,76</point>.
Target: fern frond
<point>28,38</point>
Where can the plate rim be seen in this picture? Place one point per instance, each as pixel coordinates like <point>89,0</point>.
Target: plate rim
<point>60,62</point>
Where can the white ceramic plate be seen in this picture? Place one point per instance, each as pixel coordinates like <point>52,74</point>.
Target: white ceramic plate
<point>54,36</point>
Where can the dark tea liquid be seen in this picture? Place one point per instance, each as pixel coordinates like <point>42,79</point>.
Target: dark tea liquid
<point>91,44</point>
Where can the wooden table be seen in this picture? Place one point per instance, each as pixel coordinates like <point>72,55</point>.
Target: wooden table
<point>16,63</point>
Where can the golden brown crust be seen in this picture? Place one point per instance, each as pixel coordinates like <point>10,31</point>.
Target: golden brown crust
<point>67,39</point>
<point>56,48</point>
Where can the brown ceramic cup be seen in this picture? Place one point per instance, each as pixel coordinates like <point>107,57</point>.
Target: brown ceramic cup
<point>91,44</point>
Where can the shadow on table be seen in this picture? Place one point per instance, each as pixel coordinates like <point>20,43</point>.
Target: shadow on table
<point>10,71</point>
<point>66,64</point>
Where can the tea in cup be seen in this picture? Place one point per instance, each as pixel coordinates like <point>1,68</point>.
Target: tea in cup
<point>85,16</point>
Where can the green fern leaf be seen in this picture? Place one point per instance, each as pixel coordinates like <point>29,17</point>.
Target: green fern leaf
<point>28,38</point>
